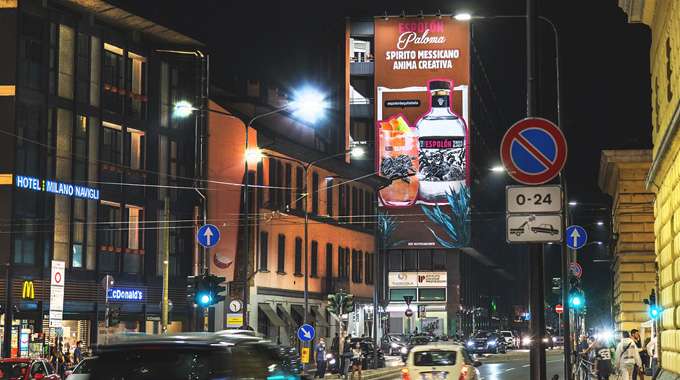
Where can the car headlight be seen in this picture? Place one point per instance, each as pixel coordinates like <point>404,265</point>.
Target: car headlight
<point>404,350</point>
<point>394,345</point>
<point>526,341</point>
<point>554,339</point>
<point>329,356</point>
<point>545,340</point>
<point>470,343</point>
<point>331,362</point>
<point>492,343</point>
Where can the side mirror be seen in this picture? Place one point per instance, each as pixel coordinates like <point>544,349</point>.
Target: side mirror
<point>476,363</point>
<point>39,376</point>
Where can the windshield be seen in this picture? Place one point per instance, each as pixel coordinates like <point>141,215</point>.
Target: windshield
<point>507,334</point>
<point>397,338</point>
<point>83,367</point>
<point>171,363</point>
<point>13,370</point>
<point>434,358</point>
<point>483,334</point>
<point>420,340</point>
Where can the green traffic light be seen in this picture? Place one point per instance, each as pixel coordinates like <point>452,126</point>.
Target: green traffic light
<point>204,299</point>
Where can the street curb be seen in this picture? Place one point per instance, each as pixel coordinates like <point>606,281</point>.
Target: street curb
<point>373,374</point>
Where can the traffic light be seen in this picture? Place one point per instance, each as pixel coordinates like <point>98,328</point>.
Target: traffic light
<point>653,310</point>
<point>576,299</point>
<point>205,290</point>
<point>204,296</point>
<point>192,286</point>
<point>218,290</point>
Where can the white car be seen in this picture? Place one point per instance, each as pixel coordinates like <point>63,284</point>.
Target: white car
<point>81,371</point>
<point>511,341</point>
<point>440,361</point>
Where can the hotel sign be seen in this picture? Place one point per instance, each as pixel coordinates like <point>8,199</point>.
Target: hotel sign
<point>56,187</point>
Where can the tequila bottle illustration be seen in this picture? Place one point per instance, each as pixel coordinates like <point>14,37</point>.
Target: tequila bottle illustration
<point>442,143</point>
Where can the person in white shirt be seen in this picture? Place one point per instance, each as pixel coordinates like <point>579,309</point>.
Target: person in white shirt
<point>651,351</point>
<point>627,357</point>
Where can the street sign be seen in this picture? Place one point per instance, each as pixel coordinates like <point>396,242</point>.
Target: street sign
<point>533,151</point>
<point>57,293</point>
<point>408,313</point>
<point>421,311</point>
<point>576,237</point>
<point>304,355</point>
<point>534,228</point>
<point>559,309</point>
<point>408,300</point>
<point>576,269</point>
<point>533,199</point>
<point>208,235</point>
<point>306,333</point>
<point>234,320</point>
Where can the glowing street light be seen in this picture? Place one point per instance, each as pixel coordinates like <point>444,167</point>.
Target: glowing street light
<point>573,203</point>
<point>254,155</point>
<point>463,16</point>
<point>357,152</point>
<point>308,105</point>
<point>600,223</point>
<point>183,109</point>
<point>498,169</point>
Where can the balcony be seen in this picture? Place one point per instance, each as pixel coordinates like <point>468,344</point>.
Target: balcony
<point>361,68</point>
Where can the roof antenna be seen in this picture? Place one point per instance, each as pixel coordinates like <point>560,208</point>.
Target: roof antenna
<point>403,14</point>
<point>386,17</point>
<point>439,13</point>
<point>420,14</point>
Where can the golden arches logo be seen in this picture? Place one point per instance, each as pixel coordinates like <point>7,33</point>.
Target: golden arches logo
<point>28,290</point>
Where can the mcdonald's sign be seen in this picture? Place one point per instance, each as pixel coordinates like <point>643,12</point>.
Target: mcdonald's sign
<point>28,290</point>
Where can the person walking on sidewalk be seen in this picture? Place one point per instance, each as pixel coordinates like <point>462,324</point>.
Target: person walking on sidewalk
<point>638,371</point>
<point>627,357</point>
<point>357,359</point>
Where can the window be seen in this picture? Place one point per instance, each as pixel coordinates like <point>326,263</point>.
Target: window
<point>315,193</point>
<point>78,237</point>
<point>329,196</point>
<point>29,123</point>
<point>281,262</point>
<point>438,261</point>
<point>113,78</point>
<point>264,250</point>
<point>136,149</point>
<point>111,143</point>
<point>368,209</point>
<point>95,70</point>
<point>260,182</point>
<point>273,182</point>
<point>109,237</point>
<point>329,261</point>
<point>432,294</point>
<point>369,267</point>
<point>360,209</point>
<point>80,149</point>
<point>343,263</point>
<point>425,261</point>
<point>65,73</point>
<point>410,261</point>
<point>289,182</point>
<point>314,260</point>
<point>132,259</point>
<point>355,208</point>
<point>31,52</point>
<point>83,68</point>
<point>298,256</point>
<point>299,178</point>
<point>357,265</point>
<point>395,261</point>
<point>341,202</point>
<point>136,67</point>
<point>397,295</point>
<point>165,95</point>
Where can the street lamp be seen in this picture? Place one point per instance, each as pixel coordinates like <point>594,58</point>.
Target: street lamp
<point>463,16</point>
<point>308,105</point>
<point>498,169</point>
<point>573,203</point>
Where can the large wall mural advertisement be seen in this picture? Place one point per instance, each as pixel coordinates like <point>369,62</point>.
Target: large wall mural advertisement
<point>422,74</point>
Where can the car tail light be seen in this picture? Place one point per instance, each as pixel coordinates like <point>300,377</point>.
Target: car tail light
<point>404,374</point>
<point>463,373</point>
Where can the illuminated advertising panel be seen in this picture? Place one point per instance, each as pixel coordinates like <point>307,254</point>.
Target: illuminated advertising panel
<point>422,75</point>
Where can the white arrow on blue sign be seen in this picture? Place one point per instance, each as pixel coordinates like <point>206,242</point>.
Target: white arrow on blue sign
<point>306,333</point>
<point>208,235</point>
<point>576,237</point>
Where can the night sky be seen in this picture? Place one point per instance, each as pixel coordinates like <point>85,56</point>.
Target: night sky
<point>605,82</point>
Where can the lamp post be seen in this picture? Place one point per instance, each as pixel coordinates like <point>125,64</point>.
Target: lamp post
<point>308,106</point>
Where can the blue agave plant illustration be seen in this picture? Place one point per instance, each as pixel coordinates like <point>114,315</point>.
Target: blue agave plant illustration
<point>386,226</point>
<point>455,224</point>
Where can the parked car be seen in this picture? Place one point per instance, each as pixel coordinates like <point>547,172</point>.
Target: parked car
<point>393,343</point>
<point>366,345</point>
<point>81,371</point>
<point>190,355</point>
<point>27,369</point>
<point>485,342</point>
<point>440,361</point>
<point>511,341</point>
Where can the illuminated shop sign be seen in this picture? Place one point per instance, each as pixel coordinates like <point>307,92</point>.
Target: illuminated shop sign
<point>125,294</point>
<point>55,187</point>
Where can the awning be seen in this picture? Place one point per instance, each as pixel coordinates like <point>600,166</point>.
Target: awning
<point>271,314</point>
<point>319,317</point>
<point>286,315</point>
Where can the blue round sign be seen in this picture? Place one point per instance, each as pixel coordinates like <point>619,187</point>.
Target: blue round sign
<point>306,332</point>
<point>208,235</point>
<point>576,237</point>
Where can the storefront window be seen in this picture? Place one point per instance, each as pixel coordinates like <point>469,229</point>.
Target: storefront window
<point>434,294</point>
<point>397,295</point>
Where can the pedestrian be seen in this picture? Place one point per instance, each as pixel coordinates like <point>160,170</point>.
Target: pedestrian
<point>627,357</point>
<point>78,352</point>
<point>335,345</point>
<point>653,355</point>
<point>346,355</point>
<point>603,360</point>
<point>638,371</point>
<point>357,358</point>
<point>320,359</point>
